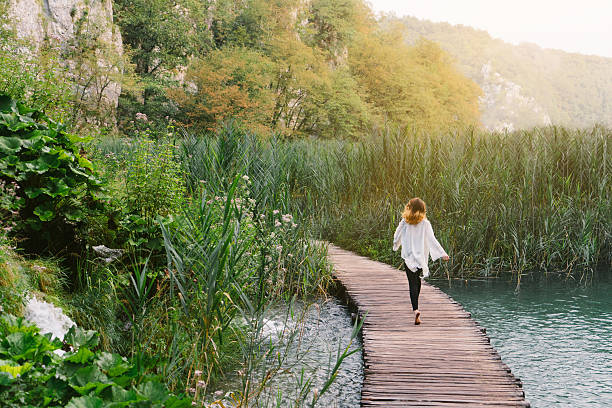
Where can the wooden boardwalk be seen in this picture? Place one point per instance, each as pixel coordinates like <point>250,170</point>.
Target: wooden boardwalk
<point>447,361</point>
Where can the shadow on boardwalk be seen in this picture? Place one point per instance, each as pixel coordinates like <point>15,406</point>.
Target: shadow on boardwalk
<point>447,361</point>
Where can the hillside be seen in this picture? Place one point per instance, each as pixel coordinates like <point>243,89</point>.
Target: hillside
<point>524,85</point>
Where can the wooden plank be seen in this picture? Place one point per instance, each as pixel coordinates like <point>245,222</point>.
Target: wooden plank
<point>447,361</point>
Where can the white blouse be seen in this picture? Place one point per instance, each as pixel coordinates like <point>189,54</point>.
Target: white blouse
<point>418,243</point>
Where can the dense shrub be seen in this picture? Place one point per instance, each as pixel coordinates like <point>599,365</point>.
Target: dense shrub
<point>36,370</point>
<point>146,182</point>
<point>55,185</point>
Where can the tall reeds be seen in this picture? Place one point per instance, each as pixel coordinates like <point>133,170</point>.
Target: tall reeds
<point>499,202</point>
<point>533,200</point>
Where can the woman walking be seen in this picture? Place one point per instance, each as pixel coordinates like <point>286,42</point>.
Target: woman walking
<point>415,235</point>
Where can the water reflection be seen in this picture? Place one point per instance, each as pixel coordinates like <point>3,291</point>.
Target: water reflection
<point>556,336</point>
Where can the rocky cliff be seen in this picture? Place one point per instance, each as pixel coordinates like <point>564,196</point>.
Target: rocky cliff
<point>57,21</point>
<point>504,106</point>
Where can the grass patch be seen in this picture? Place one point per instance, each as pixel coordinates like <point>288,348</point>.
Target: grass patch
<point>20,277</point>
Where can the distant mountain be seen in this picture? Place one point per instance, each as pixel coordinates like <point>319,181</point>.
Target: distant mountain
<point>524,85</point>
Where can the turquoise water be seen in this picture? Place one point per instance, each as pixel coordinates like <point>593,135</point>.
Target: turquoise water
<point>555,336</point>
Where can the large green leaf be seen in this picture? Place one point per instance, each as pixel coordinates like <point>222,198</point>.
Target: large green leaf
<point>15,371</point>
<point>51,160</point>
<point>85,402</point>
<point>5,120</point>
<point>154,391</point>
<point>42,164</point>
<point>11,160</point>
<point>113,364</point>
<point>27,119</point>
<point>123,398</point>
<point>22,345</point>
<point>26,110</point>
<point>85,163</point>
<point>33,192</point>
<point>9,172</point>
<point>82,356</point>
<point>124,380</point>
<point>78,337</point>
<point>5,379</point>
<point>9,145</point>
<point>74,214</point>
<point>57,188</point>
<point>17,123</point>
<point>34,140</point>
<point>89,379</point>
<point>57,387</point>
<point>91,388</point>
<point>14,324</point>
<point>88,374</point>
<point>65,155</point>
<point>44,213</point>
<point>34,166</point>
<point>78,170</point>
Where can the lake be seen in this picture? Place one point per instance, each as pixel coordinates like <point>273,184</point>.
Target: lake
<point>556,336</point>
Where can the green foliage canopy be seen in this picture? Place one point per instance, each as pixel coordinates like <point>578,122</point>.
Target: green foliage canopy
<point>414,86</point>
<point>322,68</point>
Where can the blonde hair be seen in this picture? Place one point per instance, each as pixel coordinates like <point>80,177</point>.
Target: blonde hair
<point>414,212</point>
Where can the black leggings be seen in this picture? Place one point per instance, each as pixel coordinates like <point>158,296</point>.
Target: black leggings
<point>414,282</point>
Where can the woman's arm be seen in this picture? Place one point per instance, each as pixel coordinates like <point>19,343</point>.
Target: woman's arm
<point>397,237</point>
<point>435,249</point>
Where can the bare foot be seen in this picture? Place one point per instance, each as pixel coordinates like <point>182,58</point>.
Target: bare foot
<point>417,316</point>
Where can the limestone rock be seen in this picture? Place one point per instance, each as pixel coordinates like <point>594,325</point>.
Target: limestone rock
<point>56,20</point>
<point>504,106</point>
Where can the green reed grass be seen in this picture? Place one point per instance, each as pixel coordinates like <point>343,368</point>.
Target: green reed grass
<point>529,200</point>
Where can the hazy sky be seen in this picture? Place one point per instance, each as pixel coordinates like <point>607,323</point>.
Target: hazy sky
<point>576,26</point>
